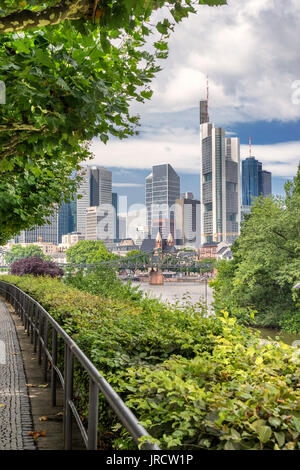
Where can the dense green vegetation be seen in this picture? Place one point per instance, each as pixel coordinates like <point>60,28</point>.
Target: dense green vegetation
<point>18,252</point>
<point>89,252</point>
<point>195,382</point>
<point>266,264</point>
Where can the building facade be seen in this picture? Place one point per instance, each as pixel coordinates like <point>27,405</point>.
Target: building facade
<point>100,223</point>
<point>60,223</point>
<point>116,206</point>
<point>162,190</point>
<point>187,221</point>
<point>94,190</point>
<point>255,181</point>
<point>219,184</point>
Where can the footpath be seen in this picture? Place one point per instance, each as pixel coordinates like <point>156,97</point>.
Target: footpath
<point>25,398</point>
<point>15,414</point>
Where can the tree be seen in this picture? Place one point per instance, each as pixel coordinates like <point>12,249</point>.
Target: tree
<point>36,267</point>
<point>18,252</point>
<point>71,69</point>
<point>89,252</point>
<point>266,262</point>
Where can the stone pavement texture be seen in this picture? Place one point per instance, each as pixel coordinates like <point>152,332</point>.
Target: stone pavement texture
<point>15,412</point>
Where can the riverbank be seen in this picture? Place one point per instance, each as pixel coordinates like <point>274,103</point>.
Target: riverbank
<point>195,292</point>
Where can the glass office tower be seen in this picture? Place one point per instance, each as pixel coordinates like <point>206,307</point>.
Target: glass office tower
<point>255,181</point>
<point>162,190</point>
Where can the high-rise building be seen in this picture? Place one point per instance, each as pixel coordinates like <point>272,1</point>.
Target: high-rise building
<point>100,223</point>
<point>115,205</point>
<point>219,184</point>
<point>95,189</point>
<point>266,183</point>
<point>255,181</point>
<point>204,112</point>
<point>60,223</point>
<point>162,190</point>
<point>122,223</point>
<point>187,221</point>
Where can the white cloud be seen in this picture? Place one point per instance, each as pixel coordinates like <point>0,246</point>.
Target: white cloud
<point>281,159</point>
<point>249,49</point>
<point>182,152</point>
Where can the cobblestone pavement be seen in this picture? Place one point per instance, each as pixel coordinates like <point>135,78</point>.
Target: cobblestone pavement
<point>15,413</point>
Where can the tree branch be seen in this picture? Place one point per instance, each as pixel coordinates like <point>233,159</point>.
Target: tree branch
<point>27,19</point>
<point>18,127</point>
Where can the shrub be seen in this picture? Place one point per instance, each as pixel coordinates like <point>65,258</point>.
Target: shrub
<point>36,266</point>
<point>194,382</point>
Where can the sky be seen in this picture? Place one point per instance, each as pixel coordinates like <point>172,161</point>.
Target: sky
<point>250,52</point>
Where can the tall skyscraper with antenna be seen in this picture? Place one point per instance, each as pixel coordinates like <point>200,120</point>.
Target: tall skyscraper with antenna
<point>219,181</point>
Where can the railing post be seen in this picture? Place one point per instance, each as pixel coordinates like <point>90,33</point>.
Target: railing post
<point>23,308</point>
<point>93,416</point>
<point>28,307</point>
<point>45,348</point>
<point>69,365</point>
<point>35,327</point>
<point>15,299</point>
<point>41,321</point>
<point>31,321</point>
<point>54,363</point>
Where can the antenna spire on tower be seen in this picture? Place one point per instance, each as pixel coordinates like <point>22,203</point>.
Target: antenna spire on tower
<point>207,98</point>
<point>250,147</point>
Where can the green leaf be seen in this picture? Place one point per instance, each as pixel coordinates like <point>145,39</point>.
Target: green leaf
<point>264,434</point>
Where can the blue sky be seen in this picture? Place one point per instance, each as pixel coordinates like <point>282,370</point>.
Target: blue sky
<point>250,52</point>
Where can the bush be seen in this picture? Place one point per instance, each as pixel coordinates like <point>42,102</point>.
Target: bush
<point>194,382</point>
<point>36,266</point>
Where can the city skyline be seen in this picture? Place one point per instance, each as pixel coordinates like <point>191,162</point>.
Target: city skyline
<point>248,96</point>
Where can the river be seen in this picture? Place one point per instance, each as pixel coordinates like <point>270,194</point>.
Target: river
<point>179,291</point>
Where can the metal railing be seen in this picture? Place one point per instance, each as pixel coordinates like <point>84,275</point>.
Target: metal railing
<point>38,323</point>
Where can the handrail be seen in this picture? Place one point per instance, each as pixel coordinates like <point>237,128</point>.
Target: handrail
<point>36,321</point>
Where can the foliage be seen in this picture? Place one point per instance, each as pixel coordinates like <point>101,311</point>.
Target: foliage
<point>195,382</point>
<point>266,263</point>
<point>18,252</point>
<point>103,281</point>
<point>89,252</point>
<point>70,75</point>
<point>35,266</point>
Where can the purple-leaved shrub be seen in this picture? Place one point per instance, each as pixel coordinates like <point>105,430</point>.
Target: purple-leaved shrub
<point>37,267</point>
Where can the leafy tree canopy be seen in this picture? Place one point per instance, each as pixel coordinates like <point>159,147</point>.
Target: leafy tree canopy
<point>71,69</point>
<point>266,263</point>
<point>18,252</point>
<point>89,252</point>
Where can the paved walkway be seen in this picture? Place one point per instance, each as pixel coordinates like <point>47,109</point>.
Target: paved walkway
<point>15,414</point>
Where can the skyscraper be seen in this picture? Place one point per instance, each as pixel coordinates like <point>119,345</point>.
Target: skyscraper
<point>219,183</point>
<point>187,217</point>
<point>60,223</point>
<point>255,181</point>
<point>266,183</point>
<point>95,189</point>
<point>162,190</point>
<point>115,205</point>
<point>100,223</point>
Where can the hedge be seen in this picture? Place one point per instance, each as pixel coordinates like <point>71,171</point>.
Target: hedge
<point>195,382</point>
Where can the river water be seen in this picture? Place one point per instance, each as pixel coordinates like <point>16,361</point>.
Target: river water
<point>196,292</point>
<point>179,291</point>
